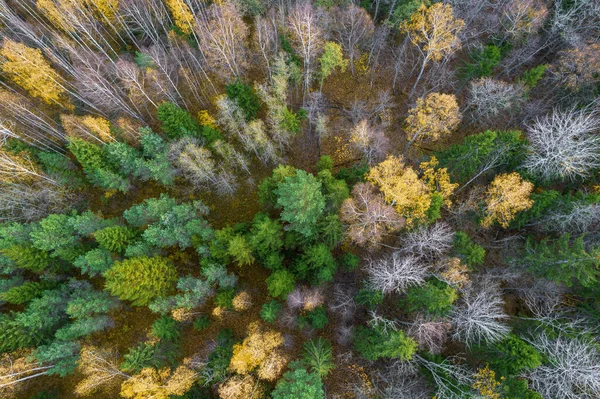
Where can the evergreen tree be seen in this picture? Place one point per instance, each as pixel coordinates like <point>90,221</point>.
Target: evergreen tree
<point>141,280</point>
<point>375,343</point>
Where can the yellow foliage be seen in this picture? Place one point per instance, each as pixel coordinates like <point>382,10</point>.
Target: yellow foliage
<point>255,351</point>
<point>18,168</point>
<point>402,188</point>
<point>486,384</point>
<point>28,68</point>
<point>435,30</point>
<point>56,13</point>
<point>240,387</point>
<point>11,364</point>
<point>184,19</point>
<point>85,126</point>
<point>158,384</point>
<point>108,8</point>
<point>506,195</point>
<point>455,273</point>
<point>438,179</point>
<point>432,117</point>
<point>99,369</point>
<point>206,119</point>
<point>181,315</point>
<point>242,301</point>
<point>273,366</point>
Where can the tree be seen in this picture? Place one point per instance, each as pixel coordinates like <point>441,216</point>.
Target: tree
<point>222,35</point>
<point>270,310</point>
<point>513,356</point>
<point>571,370</point>
<point>28,68</point>
<point>401,186</point>
<point>176,122</point>
<point>240,250</point>
<point>317,354</point>
<point>159,384</point>
<point>433,117</point>
<point>114,238</point>
<point>369,140</point>
<point>485,383</point>
<point>331,59</point>
<point>306,36</point>
<point>258,351</point>
<point>478,318</point>
<point>428,243</point>
<point>240,387</point>
<point>99,368</point>
<point>280,283</point>
<point>434,32</point>
<point>563,261</point>
<point>353,28</point>
<point>564,145</point>
<point>490,99</point>
<point>302,202</point>
<point>368,217</point>
<point>87,127</point>
<point>472,254</point>
<point>184,19</point>
<point>506,195</point>
<point>245,97</point>
<point>375,343</point>
<point>434,297</point>
<point>395,273</point>
<point>141,280</point>
<point>299,384</point>
<point>578,69</point>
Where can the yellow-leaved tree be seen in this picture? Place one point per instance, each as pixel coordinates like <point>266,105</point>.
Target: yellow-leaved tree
<point>90,128</point>
<point>184,19</point>
<point>486,384</point>
<point>506,195</point>
<point>158,384</point>
<point>259,351</point>
<point>28,68</point>
<point>241,387</point>
<point>410,194</point>
<point>106,8</point>
<point>434,31</point>
<point>432,117</point>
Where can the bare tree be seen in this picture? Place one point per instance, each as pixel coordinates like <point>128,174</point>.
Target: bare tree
<point>490,100</point>
<point>266,37</point>
<point>450,379</point>
<point>428,243</point>
<point>564,145</point>
<point>402,380</point>
<point>395,273</point>
<point>307,37</point>
<point>368,216</point>
<point>370,141</point>
<point>480,315</point>
<point>572,370</point>
<point>222,35</point>
<point>352,27</point>
<point>430,334</point>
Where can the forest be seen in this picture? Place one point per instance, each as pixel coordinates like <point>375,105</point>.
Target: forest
<point>294,199</point>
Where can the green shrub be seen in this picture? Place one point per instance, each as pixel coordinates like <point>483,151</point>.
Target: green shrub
<point>325,163</point>
<point>269,311</point>
<point>349,262</point>
<point>224,298</point>
<point>531,77</point>
<point>201,323</point>
<point>139,357</point>
<point>482,62</point>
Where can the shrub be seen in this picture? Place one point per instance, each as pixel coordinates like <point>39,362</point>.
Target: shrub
<point>349,262</point>
<point>317,355</point>
<point>280,283</point>
<point>269,311</point>
<point>201,323</point>
<point>224,298</point>
<point>139,357</point>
